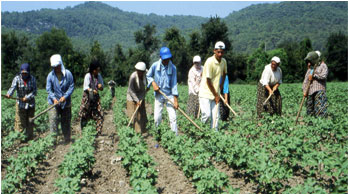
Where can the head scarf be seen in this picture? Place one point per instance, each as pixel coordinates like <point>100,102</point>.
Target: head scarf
<point>26,68</point>
<point>312,57</point>
<point>57,60</point>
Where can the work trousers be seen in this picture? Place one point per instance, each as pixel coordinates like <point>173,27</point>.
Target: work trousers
<point>209,110</point>
<point>317,104</point>
<point>159,103</point>
<point>22,121</point>
<point>64,115</point>
<point>139,120</point>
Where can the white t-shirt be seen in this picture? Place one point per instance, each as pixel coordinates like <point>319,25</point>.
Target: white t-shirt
<point>270,77</point>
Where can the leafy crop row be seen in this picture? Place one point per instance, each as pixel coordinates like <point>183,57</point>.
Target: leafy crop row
<point>194,161</point>
<point>135,159</point>
<point>77,162</point>
<point>25,164</point>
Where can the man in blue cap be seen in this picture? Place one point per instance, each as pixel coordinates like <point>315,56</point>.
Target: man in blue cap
<point>162,76</point>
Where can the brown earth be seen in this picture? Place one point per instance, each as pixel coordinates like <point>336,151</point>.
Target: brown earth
<point>171,179</point>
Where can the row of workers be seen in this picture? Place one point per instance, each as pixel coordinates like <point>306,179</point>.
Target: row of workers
<point>59,86</point>
<point>205,86</point>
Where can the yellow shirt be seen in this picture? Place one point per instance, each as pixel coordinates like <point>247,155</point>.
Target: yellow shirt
<point>214,70</point>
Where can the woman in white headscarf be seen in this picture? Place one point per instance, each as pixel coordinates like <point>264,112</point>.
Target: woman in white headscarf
<point>60,86</point>
<point>268,85</point>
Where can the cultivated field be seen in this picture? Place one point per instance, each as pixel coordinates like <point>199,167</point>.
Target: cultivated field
<point>246,155</point>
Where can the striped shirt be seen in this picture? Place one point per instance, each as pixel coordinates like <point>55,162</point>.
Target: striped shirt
<point>28,91</point>
<point>319,79</point>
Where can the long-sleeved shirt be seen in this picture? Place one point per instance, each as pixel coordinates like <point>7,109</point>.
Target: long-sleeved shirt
<point>136,88</point>
<point>319,79</point>
<point>164,76</point>
<point>27,90</point>
<point>87,83</point>
<point>194,79</point>
<point>270,77</point>
<point>57,89</point>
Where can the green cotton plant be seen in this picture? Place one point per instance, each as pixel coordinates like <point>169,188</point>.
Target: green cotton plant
<point>209,180</point>
<point>308,187</point>
<point>67,185</point>
<point>142,186</point>
<point>25,163</point>
<point>10,139</point>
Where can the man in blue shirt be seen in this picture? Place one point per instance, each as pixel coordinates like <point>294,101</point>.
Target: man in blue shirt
<point>60,86</point>
<point>162,76</point>
<point>224,110</point>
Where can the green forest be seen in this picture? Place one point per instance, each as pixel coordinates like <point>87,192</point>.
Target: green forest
<point>120,39</point>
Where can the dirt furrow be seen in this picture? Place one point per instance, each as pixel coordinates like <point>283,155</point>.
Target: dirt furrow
<point>171,180</point>
<point>108,175</point>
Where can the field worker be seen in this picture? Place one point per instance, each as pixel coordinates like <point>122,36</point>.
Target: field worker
<point>316,97</point>
<point>60,86</point>
<point>224,110</point>
<point>270,80</point>
<point>209,91</point>
<point>162,75</point>
<point>90,104</point>
<point>112,85</point>
<point>194,81</point>
<point>25,85</point>
<point>136,97</point>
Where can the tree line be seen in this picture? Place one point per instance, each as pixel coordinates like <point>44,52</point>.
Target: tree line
<point>118,63</point>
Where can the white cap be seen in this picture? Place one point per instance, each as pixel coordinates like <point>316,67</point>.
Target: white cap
<point>56,60</point>
<point>141,66</point>
<point>276,59</point>
<point>197,59</point>
<point>219,45</point>
<point>319,53</point>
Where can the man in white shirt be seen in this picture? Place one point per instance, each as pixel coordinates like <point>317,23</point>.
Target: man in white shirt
<point>209,91</point>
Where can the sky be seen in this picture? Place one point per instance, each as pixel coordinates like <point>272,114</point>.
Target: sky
<point>196,8</point>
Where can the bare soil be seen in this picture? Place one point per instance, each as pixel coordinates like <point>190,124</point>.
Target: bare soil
<point>171,179</point>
